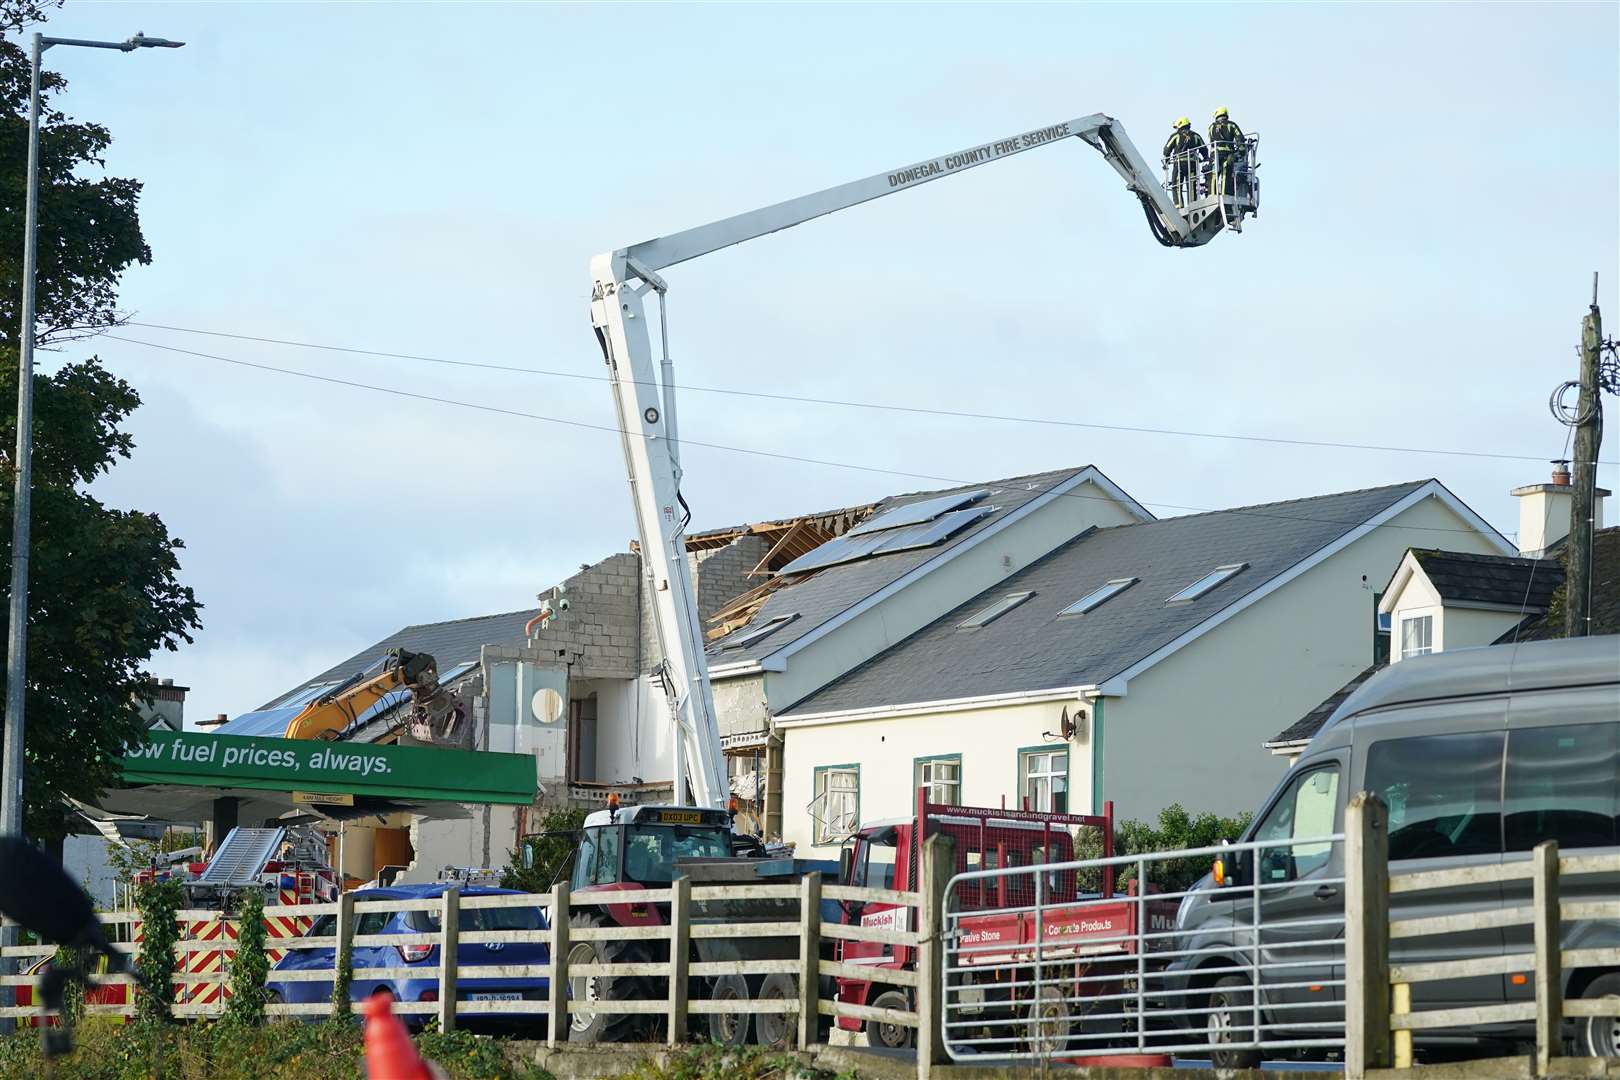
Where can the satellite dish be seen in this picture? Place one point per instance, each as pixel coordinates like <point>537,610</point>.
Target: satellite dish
<point>547,705</point>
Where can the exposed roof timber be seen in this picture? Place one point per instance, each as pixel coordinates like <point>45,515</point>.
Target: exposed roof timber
<point>803,537</point>
<point>831,522</point>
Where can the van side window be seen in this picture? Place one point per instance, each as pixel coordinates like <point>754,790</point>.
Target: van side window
<point>1563,783</point>
<point>1443,793</point>
<point>1304,812</point>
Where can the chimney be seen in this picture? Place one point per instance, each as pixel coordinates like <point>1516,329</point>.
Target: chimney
<point>1544,511</point>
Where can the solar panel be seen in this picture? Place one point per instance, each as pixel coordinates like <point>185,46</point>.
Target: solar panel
<point>849,547</point>
<point>929,533</point>
<point>917,512</point>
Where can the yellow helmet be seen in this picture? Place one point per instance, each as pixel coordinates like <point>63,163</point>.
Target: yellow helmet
<point>1183,123</point>
<point>1220,113</point>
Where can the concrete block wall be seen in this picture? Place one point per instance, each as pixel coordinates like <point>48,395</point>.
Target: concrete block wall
<point>722,573</point>
<point>600,634</point>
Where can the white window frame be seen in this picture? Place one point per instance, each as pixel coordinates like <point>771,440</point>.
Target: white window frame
<point>1036,785</point>
<point>834,821</point>
<point>1422,650</point>
<point>923,775</point>
<point>1208,583</point>
<point>1099,596</point>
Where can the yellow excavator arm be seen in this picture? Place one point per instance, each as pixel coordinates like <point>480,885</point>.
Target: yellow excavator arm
<point>329,715</point>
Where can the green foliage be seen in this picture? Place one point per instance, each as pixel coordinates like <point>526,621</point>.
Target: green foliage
<point>249,966</point>
<point>548,853</point>
<point>224,1051</point>
<point>158,904</point>
<point>711,1061</point>
<point>1176,830</point>
<point>68,958</point>
<point>103,589</point>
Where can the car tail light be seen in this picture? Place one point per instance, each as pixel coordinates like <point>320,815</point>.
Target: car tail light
<point>428,995</point>
<point>414,954</point>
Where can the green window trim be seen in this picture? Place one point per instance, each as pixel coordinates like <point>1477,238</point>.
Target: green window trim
<point>1097,756</point>
<point>817,791</point>
<point>1044,748</point>
<point>916,776</point>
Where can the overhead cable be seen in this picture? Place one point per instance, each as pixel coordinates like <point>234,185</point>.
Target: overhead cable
<point>919,410</point>
<point>775,455</point>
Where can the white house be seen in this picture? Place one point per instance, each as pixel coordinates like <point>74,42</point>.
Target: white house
<point>1135,662</point>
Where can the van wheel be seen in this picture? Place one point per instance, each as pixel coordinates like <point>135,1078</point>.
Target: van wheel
<point>886,1033</point>
<point>1599,1036</point>
<point>1230,1020</point>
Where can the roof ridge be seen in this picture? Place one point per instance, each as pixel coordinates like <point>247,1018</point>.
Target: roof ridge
<point>1258,509</point>
<point>464,619</point>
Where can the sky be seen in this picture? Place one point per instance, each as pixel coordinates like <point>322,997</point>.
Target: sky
<point>1439,184</point>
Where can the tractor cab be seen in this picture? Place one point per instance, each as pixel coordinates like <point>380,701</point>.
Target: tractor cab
<point>642,845</point>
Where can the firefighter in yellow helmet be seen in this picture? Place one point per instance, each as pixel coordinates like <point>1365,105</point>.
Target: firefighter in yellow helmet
<point>1184,152</point>
<point>1227,142</point>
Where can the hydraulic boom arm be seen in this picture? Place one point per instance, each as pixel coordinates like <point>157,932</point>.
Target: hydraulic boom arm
<point>646,404</point>
<point>329,715</point>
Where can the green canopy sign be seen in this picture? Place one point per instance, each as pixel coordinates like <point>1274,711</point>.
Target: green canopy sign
<point>419,773</point>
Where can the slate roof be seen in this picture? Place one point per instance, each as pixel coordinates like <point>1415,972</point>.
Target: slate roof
<point>821,596</point>
<point>1032,648</point>
<point>1605,594</point>
<point>1305,728</point>
<point>450,643</point>
<point>1511,580</point>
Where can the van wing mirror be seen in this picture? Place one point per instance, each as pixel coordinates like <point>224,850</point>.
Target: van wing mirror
<point>1227,868</point>
<point>846,866</point>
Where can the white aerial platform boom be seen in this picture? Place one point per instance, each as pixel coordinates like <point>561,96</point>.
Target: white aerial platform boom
<point>646,402</point>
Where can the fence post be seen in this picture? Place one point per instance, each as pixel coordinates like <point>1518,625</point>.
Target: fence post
<point>557,1018</point>
<point>1367,1043</point>
<point>1549,974</point>
<point>449,947</point>
<point>680,946</point>
<point>938,864</point>
<point>809,959</point>
<point>344,975</point>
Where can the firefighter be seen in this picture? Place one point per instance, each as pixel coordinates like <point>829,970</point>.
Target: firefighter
<point>1184,151</point>
<point>1227,143</point>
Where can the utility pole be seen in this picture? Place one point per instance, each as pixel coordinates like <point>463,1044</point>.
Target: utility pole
<point>1588,437</point>
<point>11,769</point>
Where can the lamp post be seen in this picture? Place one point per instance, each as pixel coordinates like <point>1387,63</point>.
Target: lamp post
<point>11,774</point>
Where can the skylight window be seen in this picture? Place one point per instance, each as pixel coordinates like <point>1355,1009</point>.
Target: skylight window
<point>760,634</point>
<point>994,611</point>
<point>1097,597</point>
<point>1206,583</point>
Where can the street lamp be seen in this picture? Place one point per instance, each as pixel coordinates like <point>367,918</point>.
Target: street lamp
<point>11,774</point>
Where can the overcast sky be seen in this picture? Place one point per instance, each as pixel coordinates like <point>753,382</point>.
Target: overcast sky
<point>1440,183</point>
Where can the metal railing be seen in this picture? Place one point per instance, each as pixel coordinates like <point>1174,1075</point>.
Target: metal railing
<point>1071,976</point>
<point>1231,172</point>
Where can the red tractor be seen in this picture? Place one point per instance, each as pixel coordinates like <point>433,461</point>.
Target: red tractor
<point>1082,952</point>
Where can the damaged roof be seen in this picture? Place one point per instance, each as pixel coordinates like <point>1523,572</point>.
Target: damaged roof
<point>804,602</point>
<point>1032,645</point>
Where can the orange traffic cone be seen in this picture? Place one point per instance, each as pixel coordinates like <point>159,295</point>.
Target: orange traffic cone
<point>390,1054</point>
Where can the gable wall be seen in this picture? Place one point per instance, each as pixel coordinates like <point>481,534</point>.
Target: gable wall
<point>1190,729</point>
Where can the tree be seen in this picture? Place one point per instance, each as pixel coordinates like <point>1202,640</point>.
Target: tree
<point>540,860</point>
<point>1177,830</point>
<point>103,588</point>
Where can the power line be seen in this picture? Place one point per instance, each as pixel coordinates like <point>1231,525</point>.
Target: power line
<point>878,406</point>
<point>775,455</point>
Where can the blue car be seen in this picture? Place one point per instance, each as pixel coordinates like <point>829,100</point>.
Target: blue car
<point>469,957</point>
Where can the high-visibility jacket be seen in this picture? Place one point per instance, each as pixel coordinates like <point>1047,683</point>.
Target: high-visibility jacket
<point>1225,136</point>
<point>1184,146</point>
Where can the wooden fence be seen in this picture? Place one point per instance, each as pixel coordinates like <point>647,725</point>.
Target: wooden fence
<point>681,973</point>
<point>1379,1017</point>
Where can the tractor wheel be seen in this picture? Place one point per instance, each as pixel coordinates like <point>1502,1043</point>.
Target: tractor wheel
<point>1049,1023</point>
<point>779,1031</point>
<point>1599,1036</point>
<point>886,1033</point>
<point>589,1027</point>
<point>1229,1021</point>
<point>729,1029</point>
